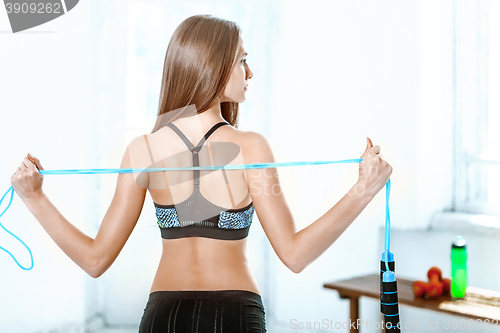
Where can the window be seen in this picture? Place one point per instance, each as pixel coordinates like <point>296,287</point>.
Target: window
<point>150,27</point>
<point>477,106</point>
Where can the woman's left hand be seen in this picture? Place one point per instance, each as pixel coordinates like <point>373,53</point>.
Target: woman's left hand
<point>27,181</point>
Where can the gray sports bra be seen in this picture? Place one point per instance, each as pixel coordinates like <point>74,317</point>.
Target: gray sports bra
<point>186,218</point>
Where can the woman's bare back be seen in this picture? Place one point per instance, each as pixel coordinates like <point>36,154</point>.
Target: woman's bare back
<point>200,263</point>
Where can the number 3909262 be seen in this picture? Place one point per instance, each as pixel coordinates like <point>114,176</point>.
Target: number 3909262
<point>34,8</point>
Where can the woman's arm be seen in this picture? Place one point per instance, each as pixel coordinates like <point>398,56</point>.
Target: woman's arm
<point>298,249</point>
<point>69,238</point>
<point>94,256</point>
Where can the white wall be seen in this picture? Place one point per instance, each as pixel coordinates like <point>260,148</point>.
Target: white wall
<point>46,109</point>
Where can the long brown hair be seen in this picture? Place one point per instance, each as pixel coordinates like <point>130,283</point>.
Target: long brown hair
<point>198,64</point>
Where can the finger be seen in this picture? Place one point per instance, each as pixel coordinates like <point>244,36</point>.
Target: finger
<point>35,161</point>
<point>28,163</point>
<point>375,149</point>
<point>20,174</point>
<point>370,142</point>
<point>31,159</point>
<point>31,166</point>
<point>368,146</point>
<point>31,169</point>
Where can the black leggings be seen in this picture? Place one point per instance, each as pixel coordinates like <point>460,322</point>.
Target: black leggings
<point>207,311</point>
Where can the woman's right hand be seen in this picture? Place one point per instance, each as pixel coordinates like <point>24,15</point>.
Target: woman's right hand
<point>27,180</point>
<point>374,171</point>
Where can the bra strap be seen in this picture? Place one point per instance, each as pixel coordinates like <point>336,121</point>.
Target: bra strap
<point>203,139</point>
<point>194,150</point>
<point>181,135</point>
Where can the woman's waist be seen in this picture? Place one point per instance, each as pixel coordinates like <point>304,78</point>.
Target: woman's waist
<point>200,262</point>
<point>189,275</point>
<point>184,277</point>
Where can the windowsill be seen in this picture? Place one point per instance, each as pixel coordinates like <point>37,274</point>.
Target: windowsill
<point>485,225</point>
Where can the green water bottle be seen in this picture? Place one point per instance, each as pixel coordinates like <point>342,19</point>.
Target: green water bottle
<point>458,268</point>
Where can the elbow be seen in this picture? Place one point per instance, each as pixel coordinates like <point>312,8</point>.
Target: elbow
<point>95,269</point>
<point>94,272</point>
<point>294,265</point>
<point>295,268</point>
<point>294,262</point>
<point>97,264</point>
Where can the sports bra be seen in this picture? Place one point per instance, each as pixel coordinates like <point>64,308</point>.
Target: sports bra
<point>185,219</point>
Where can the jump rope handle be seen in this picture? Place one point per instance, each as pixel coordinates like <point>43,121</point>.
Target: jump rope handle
<point>389,293</point>
<point>388,285</point>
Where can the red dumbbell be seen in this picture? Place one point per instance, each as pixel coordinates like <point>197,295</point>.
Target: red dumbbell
<point>419,288</point>
<point>435,286</point>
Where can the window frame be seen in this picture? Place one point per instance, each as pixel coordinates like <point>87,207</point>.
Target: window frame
<point>471,75</point>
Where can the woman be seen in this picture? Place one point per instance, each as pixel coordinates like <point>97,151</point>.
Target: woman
<point>203,282</point>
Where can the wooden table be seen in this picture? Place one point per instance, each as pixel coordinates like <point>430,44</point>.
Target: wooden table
<point>478,303</point>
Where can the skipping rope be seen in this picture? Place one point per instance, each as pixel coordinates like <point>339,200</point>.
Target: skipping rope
<point>388,286</point>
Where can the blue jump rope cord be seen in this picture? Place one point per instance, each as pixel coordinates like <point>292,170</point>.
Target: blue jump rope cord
<point>216,167</point>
